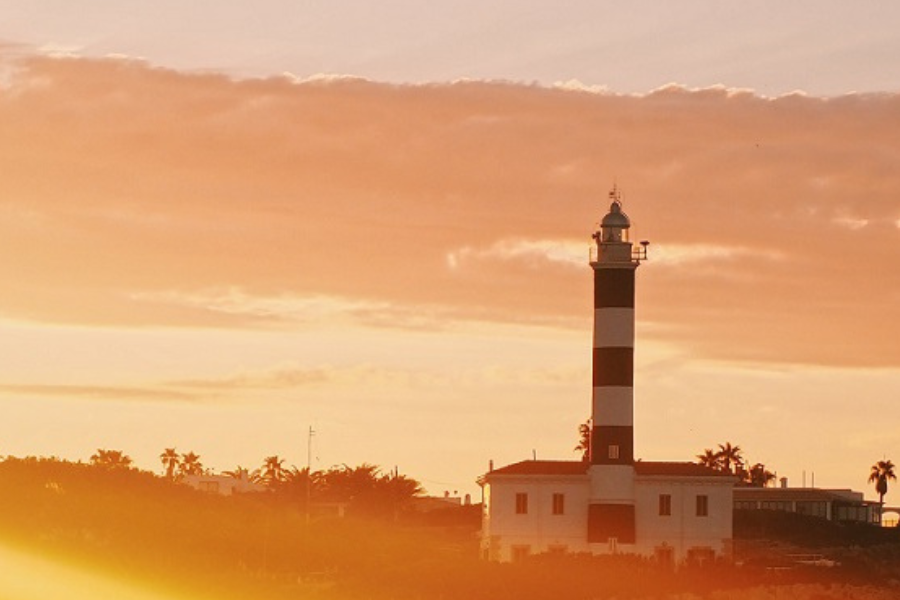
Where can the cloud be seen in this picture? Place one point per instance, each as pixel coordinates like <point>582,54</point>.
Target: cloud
<point>235,386</point>
<point>293,376</point>
<point>96,392</point>
<point>574,85</point>
<point>284,307</point>
<point>55,50</point>
<point>238,308</point>
<point>141,196</point>
<point>687,254</point>
<point>570,253</point>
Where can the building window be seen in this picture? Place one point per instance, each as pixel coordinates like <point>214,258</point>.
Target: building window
<point>520,553</point>
<point>521,504</point>
<point>559,504</point>
<point>614,452</point>
<point>665,505</point>
<point>702,506</point>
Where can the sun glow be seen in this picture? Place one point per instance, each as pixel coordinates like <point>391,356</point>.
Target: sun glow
<point>26,576</point>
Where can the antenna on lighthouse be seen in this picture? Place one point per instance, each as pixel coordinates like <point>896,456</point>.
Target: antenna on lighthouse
<point>614,193</point>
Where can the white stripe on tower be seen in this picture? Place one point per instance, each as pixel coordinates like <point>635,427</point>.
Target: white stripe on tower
<point>613,405</point>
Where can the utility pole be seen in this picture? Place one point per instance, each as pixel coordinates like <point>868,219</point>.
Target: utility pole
<point>309,471</point>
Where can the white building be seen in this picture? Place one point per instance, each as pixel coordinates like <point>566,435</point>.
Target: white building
<point>609,503</point>
<point>222,484</point>
<point>831,504</point>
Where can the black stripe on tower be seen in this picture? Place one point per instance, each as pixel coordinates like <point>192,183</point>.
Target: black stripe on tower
<point>613,366</point>
<point>614,288</point>
<point>618,437</point>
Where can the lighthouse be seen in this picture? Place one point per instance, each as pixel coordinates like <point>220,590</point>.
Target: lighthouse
<point>611,508</point>
<point>672,511</point>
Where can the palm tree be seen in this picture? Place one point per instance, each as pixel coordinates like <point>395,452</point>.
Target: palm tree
<point>759,476</point>
<point>730,458</point>
<point>273,471</point>
<point>111,459</point>
<point>584,440</point>
<point>395,493</point>
<point>345,484</point>
<point>881,472</point>
<point>190,464</point>
<point>296,479</point>
<point>709,458</point>
<point>170,462</point>
<point>238,473</point>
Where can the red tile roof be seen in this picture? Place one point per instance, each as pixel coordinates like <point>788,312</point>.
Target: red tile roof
<point>544,467</point>
<point>573,467</point>
<point>679,469</point>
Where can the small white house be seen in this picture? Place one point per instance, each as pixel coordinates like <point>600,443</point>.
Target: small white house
<point>222,484</point>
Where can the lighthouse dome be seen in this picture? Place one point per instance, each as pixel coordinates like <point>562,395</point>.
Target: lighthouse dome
<point>615,217</point>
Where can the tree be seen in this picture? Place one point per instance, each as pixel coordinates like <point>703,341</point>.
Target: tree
<point>730,458</point>
<point>190,464</point>
<point>273,471</point>
<point>394,493</point>
<point>295,481</point>
<point>170,462</point>
<point>240,472</point>
<point>346,484</point>
<point>759,476</point>
<point>111,459</point>
<point>881,472</point>
<point>709,458</point>
<point>584,440</point>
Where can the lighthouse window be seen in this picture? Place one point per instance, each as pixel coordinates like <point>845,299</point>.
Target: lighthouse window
<point>702,506</point>
<point>559,504</point>
<point>665,505</point>
<point>614,452</point>
<point>521,504</point>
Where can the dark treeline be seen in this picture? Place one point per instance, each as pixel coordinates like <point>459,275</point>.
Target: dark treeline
<point>259,545</point>
<point>730,459</point>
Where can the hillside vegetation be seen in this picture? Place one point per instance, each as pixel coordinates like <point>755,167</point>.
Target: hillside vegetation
<point>161,534</point>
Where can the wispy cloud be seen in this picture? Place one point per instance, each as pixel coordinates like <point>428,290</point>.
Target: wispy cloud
<point>97,392</point>
<point>569,253</point>
<point>686,254</point>
<point>291,307</point>
<point>292,376</point>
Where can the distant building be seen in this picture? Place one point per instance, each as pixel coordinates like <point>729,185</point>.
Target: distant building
<point>610,503</point>
<point>833,505</point>
<point>221,484</point>
<point>425,504</point>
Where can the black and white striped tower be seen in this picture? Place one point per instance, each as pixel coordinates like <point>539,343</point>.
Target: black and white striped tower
<point>611,517</point>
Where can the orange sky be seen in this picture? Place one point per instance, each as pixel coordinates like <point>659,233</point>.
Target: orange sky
<point>218,264</point>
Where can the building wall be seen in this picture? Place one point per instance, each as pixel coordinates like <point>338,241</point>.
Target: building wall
<point>505,532</point>
<point>683,530</point>
<point>221,484</point>
<point>507,535</point>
